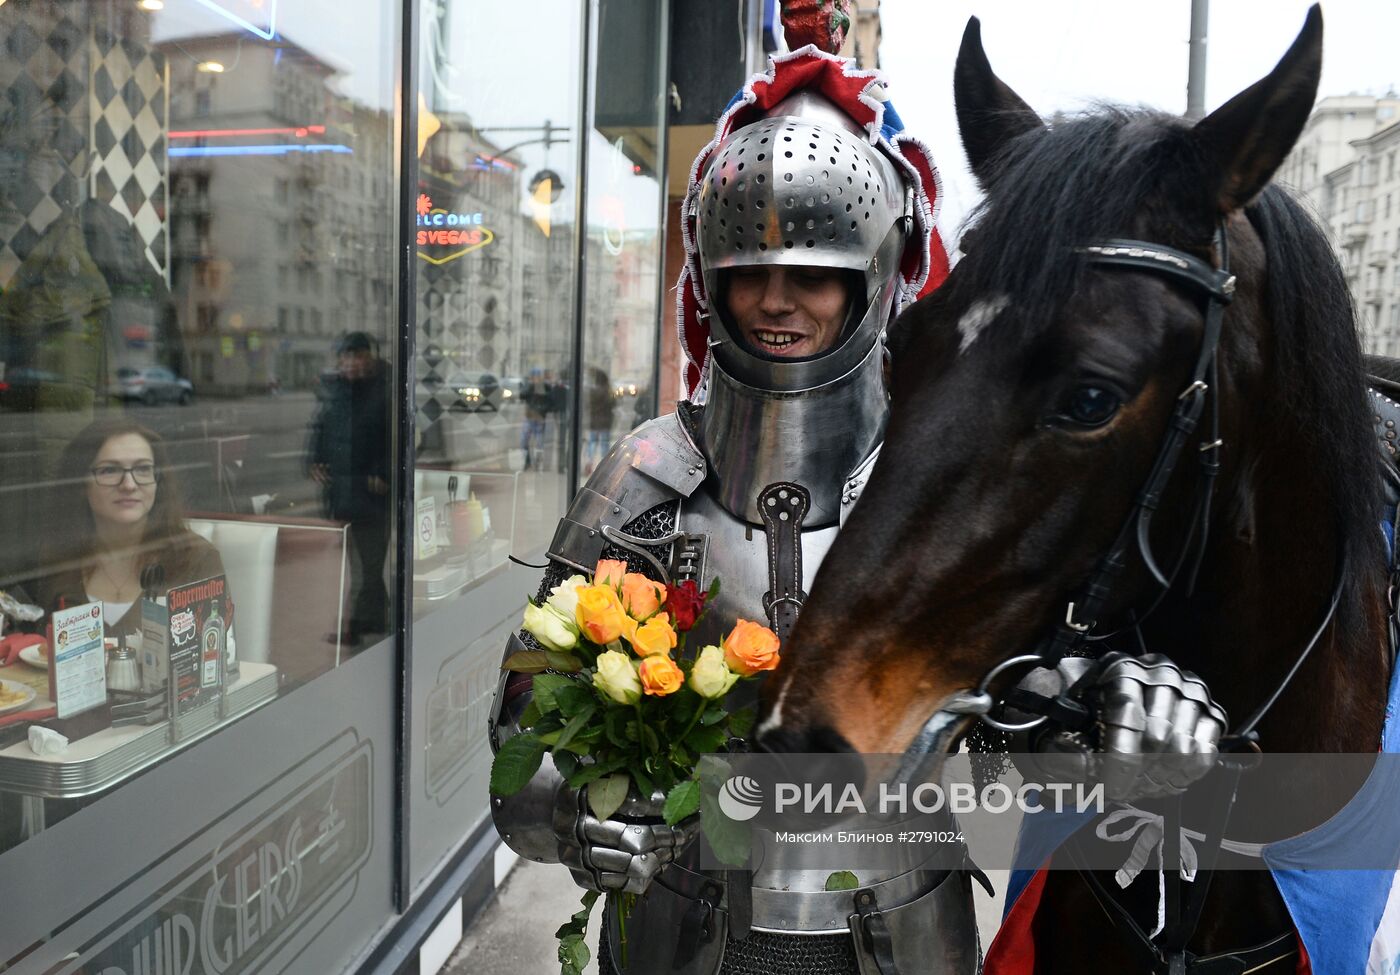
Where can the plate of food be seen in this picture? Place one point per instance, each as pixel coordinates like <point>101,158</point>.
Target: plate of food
<point>34,656</point>
<point>14,695</point>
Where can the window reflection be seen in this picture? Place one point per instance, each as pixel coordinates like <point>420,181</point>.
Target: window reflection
<point>496,250</point>
<point>196,238</point>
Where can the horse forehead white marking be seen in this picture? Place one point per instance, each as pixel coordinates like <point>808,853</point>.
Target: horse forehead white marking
<point>775,717</point>
<point>981,314</point>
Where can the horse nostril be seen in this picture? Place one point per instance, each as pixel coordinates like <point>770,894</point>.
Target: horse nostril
<point>822,738</point>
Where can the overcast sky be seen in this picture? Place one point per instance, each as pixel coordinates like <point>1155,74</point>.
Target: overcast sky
<point>1064,54</point>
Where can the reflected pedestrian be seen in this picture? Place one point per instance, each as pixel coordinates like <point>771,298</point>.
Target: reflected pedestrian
<point>349,458</point>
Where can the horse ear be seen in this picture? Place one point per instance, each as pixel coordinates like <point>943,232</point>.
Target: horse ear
<point>1246,139</point>
<point>990,114</point>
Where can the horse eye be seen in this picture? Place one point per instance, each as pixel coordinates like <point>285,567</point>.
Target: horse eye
<point>1091,406</point>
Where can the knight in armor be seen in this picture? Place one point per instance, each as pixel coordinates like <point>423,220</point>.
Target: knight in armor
<point>808,225</point>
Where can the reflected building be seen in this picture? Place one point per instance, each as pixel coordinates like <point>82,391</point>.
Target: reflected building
<point>274,148</point>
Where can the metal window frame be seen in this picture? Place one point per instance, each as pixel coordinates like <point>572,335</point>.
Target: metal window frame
<point>406,175</point>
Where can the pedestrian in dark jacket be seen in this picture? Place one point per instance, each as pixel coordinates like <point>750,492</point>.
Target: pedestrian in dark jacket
<point>349,458</point>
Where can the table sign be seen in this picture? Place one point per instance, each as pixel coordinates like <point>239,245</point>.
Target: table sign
<point>79,678</point>
<point>425,534</point>
<point>199,615</point>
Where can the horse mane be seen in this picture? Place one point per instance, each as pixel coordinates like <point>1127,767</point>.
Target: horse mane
<point>1095,175</point>
<point>1320,376</point>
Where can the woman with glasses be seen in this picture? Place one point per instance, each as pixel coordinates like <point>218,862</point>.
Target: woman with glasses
<point>121,514</point>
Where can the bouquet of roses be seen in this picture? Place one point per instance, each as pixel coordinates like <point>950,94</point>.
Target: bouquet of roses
<point>620,703</point>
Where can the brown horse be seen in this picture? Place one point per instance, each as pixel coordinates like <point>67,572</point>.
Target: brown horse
<point>1030,395</point>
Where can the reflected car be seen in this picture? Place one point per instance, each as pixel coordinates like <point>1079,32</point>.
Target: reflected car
<point>153,385</point>
<point>19,390</point>
<point>484,392</point>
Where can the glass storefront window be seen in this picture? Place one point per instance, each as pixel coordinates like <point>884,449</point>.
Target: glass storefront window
<point>197,301</point>
<point>624,236</point>
<point>497,252</point>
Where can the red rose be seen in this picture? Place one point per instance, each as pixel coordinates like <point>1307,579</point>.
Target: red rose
<point>685,603</point>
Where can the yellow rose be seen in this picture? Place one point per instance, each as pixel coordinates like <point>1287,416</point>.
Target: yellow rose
<point>600,615</point>
<point>641,596</point>
<point>617,677</point>
<point>653,637</point>
<point>609,572</point>
<point>660,675</point>
<point>711,676</point>
<point>553,631</point>
<point>563,598</point>
<point>750,648</point>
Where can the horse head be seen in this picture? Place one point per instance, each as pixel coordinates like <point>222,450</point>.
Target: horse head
<point>1030,395</point>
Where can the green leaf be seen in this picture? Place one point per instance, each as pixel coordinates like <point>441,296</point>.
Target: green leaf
<point>587,773</point>
<point>573,950</point>
<point>575,725</point>
<point>682,801</point>
<point>516,764</point>
<point>530,715</point>
<point>741,722</point>
<point>680,756</point>
<point>565,762</point>
<point>713,771</point>
<point>566,662</point>
<point>605,795</point>
<point>653,743</point>
<point>702,739</point>
<point>644,783</point>
<point>729,840</point>
<point>842,880</point>
<point>714,591</point>
<point>526,661</point>
<point>546,686</point>
<point>575,698</point>
<point>714,716</point>
<point>615,725</point>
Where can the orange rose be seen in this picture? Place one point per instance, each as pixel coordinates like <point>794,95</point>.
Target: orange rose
<point>750,648</point>
<point>641,596</point>
<point>660,675</point>
<point>600,614</point>
<point>655,636</point>
<point>609,572</point>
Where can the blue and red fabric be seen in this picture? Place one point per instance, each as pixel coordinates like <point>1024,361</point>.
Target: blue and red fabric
<point>861,95</point>
<point>1347,916</point>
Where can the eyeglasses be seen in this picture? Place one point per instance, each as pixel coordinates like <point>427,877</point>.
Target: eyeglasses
<point>112,475</point>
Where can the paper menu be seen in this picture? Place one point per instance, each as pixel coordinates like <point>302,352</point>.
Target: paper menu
<point>79,661</point>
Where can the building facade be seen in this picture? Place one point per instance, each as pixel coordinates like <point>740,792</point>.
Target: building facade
<point>1344,167</point>
<point>348,298</point>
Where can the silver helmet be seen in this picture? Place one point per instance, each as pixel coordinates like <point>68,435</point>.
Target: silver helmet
<point>801,187</point>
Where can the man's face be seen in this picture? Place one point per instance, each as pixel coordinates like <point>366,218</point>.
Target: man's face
<point>354,363</point>
<point>788,312</point>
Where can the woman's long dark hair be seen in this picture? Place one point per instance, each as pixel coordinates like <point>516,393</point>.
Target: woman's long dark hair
<point>74,538</point>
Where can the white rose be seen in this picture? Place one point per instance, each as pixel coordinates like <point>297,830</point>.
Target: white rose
<point>563,598</point>
<point>711,676</point>
<point>617,677</point>
<point>549,628</point>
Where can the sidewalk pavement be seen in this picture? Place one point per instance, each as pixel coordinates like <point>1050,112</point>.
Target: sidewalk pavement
<point>515,933</point>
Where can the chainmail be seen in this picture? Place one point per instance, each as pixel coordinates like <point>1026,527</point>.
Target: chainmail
<point>762,953</point>
<point>989,758</point>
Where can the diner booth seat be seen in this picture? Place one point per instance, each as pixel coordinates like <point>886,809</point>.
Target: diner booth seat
<point>288,579</point>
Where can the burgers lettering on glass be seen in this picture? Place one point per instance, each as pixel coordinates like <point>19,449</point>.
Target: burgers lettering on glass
<point>444,236</point>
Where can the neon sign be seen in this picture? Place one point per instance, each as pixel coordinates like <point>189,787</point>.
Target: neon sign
<point>444,236</point>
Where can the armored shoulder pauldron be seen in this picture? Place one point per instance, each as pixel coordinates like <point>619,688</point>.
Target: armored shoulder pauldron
<point>652,465</point>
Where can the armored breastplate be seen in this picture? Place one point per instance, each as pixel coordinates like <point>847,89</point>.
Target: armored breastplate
<point>714,544</point>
